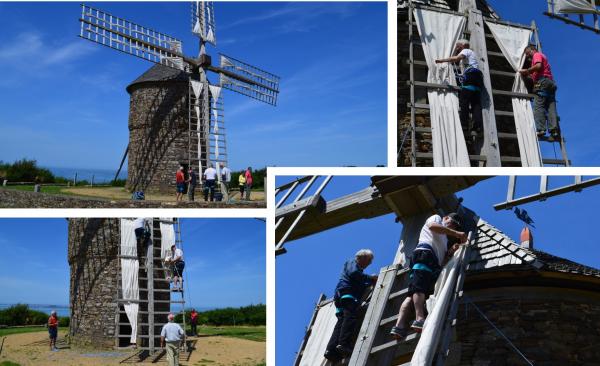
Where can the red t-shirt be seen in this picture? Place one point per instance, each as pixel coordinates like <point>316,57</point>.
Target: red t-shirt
<point>248,178</point>
<point>179,177</point>
<point>539,57</point>
<point>52,322</point>
<point>194,316</point>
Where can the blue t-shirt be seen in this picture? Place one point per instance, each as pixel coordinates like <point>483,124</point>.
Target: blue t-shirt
<point>352,280</point>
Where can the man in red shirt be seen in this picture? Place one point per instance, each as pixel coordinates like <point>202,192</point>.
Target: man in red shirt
<point>194,318</point>
<point>544,105</point>
<point>180,180</point>
<point>53,330</point>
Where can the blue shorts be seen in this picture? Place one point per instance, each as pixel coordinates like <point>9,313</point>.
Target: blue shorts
<point>53,332</point>
<point>180,187</point>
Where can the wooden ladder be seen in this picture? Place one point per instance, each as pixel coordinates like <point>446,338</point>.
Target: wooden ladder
<point>376,347</point>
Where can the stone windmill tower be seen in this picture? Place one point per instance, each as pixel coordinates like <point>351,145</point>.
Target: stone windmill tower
<point>176,113</point>
<point>119,294</point>
<point>429,128</point>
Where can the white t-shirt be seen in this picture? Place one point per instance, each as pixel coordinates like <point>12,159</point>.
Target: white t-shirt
<point>139,223</point>
<point>226,172</point>
<point>439,242</point>
<point>210,174</point>
<point>178,253</point>
<point>172,332</point>
<point>470,60</point>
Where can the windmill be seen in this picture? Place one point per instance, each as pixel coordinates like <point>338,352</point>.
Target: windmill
<point>206,142</point>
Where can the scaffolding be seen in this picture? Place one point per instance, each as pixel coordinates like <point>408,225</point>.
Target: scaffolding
<point>499,144</point>
<point>157,298</point>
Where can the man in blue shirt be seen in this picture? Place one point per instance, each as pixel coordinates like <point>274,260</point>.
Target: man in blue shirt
<point>348,293</point>
<point>172,337</point>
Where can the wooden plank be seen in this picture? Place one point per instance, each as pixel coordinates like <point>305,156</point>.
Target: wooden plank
<point>370,325</point>
<point>490,147</point>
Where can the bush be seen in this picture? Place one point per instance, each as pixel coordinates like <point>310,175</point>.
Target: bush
<point>258,178</point>
<point>20,314</point>
<point>247,315</point>
<point>25,171</point>
<point>118,183</point>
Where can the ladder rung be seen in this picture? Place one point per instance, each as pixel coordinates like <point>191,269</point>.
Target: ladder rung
<point>406,341</point>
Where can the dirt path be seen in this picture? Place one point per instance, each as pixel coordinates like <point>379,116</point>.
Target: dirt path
<point>118,193</point>
<point>32,349</point>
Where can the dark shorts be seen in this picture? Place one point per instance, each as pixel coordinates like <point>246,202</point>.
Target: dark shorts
<point>180,187</point>
<point>424,272</point>
<point>53,332</point>
<point>178,270</point>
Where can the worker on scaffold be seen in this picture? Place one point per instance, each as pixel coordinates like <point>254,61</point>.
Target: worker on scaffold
<point>348,293</point>
<point>471,85</point>
<point>427,260</point>
<point>544,103</point>
<point>174,261</point>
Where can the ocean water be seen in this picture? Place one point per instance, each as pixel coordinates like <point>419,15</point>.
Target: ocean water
<point>61,310</point>
<point>99,175</point>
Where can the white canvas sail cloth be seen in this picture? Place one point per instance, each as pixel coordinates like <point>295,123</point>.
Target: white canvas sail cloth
<point>197,88</point>
<point>575,6</point>
<point>129,275</point>
<point>437,307</point>
<point>319,337</point>
<point>439,33</point>
<point>167,236</point>
<point>215,91</point>
<point>512,42</point>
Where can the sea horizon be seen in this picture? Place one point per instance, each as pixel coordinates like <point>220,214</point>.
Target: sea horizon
<point>99,175</point>
<point>65,310</point>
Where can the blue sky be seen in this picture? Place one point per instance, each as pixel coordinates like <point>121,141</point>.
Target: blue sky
<point>65,104</point>
<point>225,261</point>
<point>312,264</point>
<point>573,54</point>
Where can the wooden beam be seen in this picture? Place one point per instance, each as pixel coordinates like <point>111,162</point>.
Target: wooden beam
<point>490,147</point>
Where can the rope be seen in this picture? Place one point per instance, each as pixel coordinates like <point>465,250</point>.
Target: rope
<point>469,301</point>
<point>402,143</point>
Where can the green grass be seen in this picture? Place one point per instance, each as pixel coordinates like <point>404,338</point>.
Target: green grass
<point>9,363</point>
<point>9,331</point>
<point>258,334</point>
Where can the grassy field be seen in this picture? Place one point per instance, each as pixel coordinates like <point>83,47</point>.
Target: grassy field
<point>258,334</point>
<point>8,331</point>
<point>44,189</point>
<point>9,363</point>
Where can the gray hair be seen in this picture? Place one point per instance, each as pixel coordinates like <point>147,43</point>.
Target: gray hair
<point>53,312</point>
<point>463,42</point>
<point>171,317</point>
<point>364,253</point>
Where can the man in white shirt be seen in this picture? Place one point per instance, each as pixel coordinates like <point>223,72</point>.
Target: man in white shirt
<point>174,260</point>
<point>426,262</point>
<point>172,337</point>
<point>210,176</point>
<point>471,85</point>
<point>225,177</point>
<point>141,227</point>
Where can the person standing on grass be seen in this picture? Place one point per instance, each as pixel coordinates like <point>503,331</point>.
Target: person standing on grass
<point>194,322</point>
<point>427,260</point>
<point>242,184</point>
<point>180,181</point>
<point>225,177</point>
<point>248,176</point>
<point>172,337</point>
<point>210,177</point>
<point>192,181</point>
<point>53,330</point>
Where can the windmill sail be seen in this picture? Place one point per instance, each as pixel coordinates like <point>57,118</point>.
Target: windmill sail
<point>248,80</point>
<point>131,38</point>
<point>203,21</point>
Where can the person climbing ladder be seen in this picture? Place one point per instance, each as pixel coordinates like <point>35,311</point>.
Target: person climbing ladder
<point>471,84</point>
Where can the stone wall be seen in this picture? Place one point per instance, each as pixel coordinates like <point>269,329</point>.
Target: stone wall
<point>158,135</point>
<point>550,326</point>
<point>92,254</point>
<point>11,198</point>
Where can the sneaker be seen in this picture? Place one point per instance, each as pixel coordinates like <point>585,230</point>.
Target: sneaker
<point>398,332</point>
<point>417,325</point>
<point>541,133</point>
<point>344,351</point>
<point>555,134</point>
<point>332,356</point>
